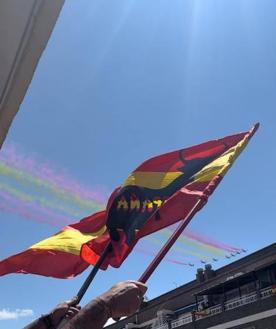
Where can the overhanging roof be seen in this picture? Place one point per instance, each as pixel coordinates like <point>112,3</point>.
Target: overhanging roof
<point>25,28</point>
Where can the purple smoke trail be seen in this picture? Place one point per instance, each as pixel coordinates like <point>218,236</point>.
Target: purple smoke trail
<point>208,241</point>
<point>31,211</point>
<point>150,253</point>
<point>24,213</point>
<point>43,171</point>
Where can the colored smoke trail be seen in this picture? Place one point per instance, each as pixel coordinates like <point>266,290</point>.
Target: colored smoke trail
<point>211,242</point>
<point>192,243</point>
<point>28,180</point>
<point>24,213</point>
<point>150,253</point>
<point>176,248</point>
<point>43,202</point>
<point>30,211</point>
<point>12,157</point>
<point>206,241</point>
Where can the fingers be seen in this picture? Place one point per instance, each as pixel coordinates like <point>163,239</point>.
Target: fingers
<point>135,299</point>
<point>141,286</point>
<point>124,298</point>
<point>134,304</point>
<point>72,311</point>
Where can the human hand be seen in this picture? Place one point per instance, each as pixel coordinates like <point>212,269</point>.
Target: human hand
<point>124,298</point>
<point>65,310</point>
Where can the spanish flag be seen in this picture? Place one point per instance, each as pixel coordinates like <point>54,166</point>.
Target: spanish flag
<point>162,191</point>
<point>59,255</point>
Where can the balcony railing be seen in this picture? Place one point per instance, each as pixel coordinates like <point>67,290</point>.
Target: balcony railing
<point>211,311</point>
<point>182,320</point>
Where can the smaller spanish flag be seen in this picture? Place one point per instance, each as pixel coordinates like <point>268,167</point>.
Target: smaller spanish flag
<point>59,255</point>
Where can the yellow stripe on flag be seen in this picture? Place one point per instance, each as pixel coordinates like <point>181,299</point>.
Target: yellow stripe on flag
<point>68,240</point>
<point>221,165</point>
<point>153,180</point>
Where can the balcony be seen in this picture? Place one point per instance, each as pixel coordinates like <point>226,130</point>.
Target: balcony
<point>229,305</point>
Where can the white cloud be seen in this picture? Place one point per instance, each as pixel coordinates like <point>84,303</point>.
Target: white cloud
<point>7,314</point>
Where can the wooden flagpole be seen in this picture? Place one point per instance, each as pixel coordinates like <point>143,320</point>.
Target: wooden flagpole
<point>164,250</point>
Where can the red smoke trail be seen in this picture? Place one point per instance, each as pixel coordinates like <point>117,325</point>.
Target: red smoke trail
<point>209,241</point>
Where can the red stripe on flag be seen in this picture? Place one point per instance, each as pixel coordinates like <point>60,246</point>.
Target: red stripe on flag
<point>167,162</point>
<point>52,263</point>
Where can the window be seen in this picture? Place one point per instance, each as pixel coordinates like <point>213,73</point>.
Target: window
<point>217,299</point>
<point>264,278</point>
<point>232,294</point>
<point>248,288</point>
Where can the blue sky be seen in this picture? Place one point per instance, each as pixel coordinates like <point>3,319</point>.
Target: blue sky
<point>121,81</point>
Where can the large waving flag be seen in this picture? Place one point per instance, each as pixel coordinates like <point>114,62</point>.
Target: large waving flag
<point>161,191</point>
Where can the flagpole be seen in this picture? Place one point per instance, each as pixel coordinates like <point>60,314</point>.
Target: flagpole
<point>164,250</point>
<point>88,281</point>
<point>93,273</point>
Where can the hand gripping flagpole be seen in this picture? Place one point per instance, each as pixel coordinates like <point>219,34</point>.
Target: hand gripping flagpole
<point>165,249</point>
<point>88,280</point>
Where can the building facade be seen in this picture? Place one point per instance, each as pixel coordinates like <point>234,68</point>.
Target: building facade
<point>241,295</point>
